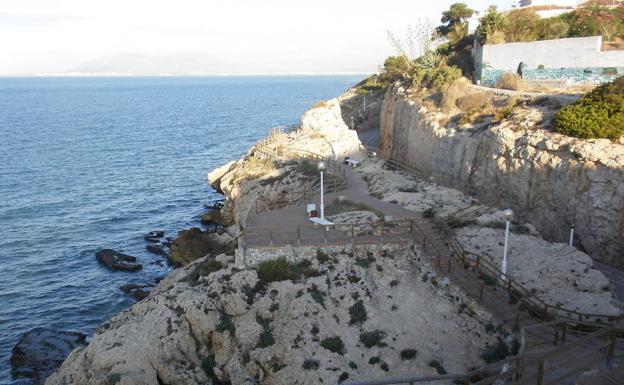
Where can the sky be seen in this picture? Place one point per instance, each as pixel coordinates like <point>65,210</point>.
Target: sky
<point>238,36</point>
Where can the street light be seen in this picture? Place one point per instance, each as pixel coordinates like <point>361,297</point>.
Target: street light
<point>321,168</point>
<point>508,214</point>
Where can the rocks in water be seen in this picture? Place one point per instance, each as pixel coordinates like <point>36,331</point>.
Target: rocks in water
<point>41,351</point>
<point>117,261</point>
<point>211,216</point>
<point>154,236</point>
<point>138,291</point>
<point>190,245</point>
<point>157,249</point>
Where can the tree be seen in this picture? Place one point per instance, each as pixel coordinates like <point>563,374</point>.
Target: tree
<point>522,25</point>
<point>457,14</point>
<point>492,29</point>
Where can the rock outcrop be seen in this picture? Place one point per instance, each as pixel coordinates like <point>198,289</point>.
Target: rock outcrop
<point>349,317</point>
<point>193,244</point>
<point>41,351</point>
<point>115,260</point>
<point>550,180</point>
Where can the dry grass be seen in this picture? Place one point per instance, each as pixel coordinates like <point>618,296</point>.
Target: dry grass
<point>477,100</point>
<point>511,81</point>
<point>320,104</point>
<point>456,90</point>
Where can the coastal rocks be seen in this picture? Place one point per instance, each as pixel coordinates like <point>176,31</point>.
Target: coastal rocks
<point>550,180</point>
<point>557,273</point>
<point>157,249</point>
<point>41,351</point>
<point>211,216</point>
<point>117,261</point>
<point>154,236</point>
<point>211,323</point>
<point>193,243</point>
<point>137,291</point>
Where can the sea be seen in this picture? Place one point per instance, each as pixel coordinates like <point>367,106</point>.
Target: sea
<point>90,163</point>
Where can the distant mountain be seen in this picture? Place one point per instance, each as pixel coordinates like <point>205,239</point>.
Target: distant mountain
<point>162,64</point>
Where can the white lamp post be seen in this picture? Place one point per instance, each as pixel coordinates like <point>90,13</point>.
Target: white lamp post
<point>572,235</point>
<point>508,214</point>
<point>321,168</point>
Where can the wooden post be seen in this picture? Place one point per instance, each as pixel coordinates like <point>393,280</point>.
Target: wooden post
<point>509,284</point>
<point>540,373</point>
<point>271,237</point>
<point>564,330</point>
<point>352,233</point>
<point>545,312</point>
<point>478,262</point>
<point>382,233</point>
<point>556,341</point>
<point>411,226</point>
<point>325,234</point>
<point>449,265</point>
<point>298,235</point>
<point>424,244</point>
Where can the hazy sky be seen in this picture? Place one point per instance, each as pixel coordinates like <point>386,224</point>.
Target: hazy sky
<point>49,36</point>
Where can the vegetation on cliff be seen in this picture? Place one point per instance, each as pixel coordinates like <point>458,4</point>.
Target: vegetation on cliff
<point>524,24</point>
<point>599,114</point>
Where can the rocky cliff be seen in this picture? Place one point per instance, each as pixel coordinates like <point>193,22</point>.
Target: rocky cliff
<point>550,180</point>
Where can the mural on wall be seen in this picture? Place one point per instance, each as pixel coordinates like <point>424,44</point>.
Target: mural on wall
<point>489,76</point>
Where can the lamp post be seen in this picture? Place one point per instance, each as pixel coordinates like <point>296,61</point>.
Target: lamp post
<point>321,168</point>
<point>572,235</point>
<point>508,214</point>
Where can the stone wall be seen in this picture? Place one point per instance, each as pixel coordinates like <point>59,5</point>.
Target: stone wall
<point>548,179</point>
<point>573,55</point>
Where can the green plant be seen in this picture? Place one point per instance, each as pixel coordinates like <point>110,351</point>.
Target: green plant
<point>598,114</point>
<point>307,168</point>
<point>521,25</point>
<point>429,213</point>
<point>208,364</point>
<point>203,269</point>
<point>497,352</point>
<point>437,365</point>
<point>357,312</point>
<point>338,206</point>
<point>114,378</point>
<point>408,354</point>
<point>225,323</point>
<point>274,307</point>
<point>365,262</point>
<point>333,344</point>
<point>321,256</point>
<point>455,16</point>
<point>317,295</point>
<point>373,338</point>
<point>309,364</point>
<point>343,377</point>
<point>266,337</point>
<point>277,270</point>
<point>609,71</point>
<point>491,30</point>
<point>374,360</point>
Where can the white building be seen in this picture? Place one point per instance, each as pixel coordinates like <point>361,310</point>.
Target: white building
<point>550,8</point>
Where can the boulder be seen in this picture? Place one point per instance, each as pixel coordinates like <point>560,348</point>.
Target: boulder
<point>190,245</point>
<point>138,291</point>
<point>117,261</point>
<point>41,351</point>
<point>154,236</point>
<point>157,249</point>
<point>211,216</point>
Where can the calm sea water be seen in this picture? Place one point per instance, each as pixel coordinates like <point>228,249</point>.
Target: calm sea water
<point>88,163</point>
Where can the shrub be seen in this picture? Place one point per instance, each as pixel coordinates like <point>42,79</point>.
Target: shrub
<point>373,338</point>
<point>474,101</point>
<point>320,104</point>
<point>358,314</point>
<point>266,337</point>
<point>374,360</point>
<point>437,365</point>
<point>307,168</point>
<point>225,323</point>
<point>208,364</point>
<point>371,83</point>
<point>343,377</point>
<point>495,353</point>
<point>309,364</point>
<point>441,76</point>
<point>344,206</point>
<point>276,270</point>
<point>333,344</point>
<point>321,256</point>
<point>429,213</point>
<point>408,354</point>
<point>394,68</point>
<point>114,378</point>
<point>317,295</point>
<point>204,269</point>
<point>598,114</point>
<point>510,81</point>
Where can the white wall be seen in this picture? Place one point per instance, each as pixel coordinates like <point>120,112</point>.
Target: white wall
<point>581,52</point>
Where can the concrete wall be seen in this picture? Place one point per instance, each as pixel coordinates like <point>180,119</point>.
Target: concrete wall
<point>580,52</point>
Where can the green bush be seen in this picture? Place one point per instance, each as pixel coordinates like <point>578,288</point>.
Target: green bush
<point>358,314</point>
<point>333,344</point>
<point>204,269</point>
<point>266,337</point>
<point>114,378</point>
<point>310,364</point>
<point>498,352</point>
<point>225,323</point>
<point>599,114</point>
<point>373,338</point>
<point>408,354</point>
<point>321,256</point>
<point>277,270</point>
